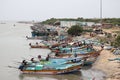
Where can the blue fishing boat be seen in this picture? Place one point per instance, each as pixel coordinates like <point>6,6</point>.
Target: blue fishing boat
<point>53,66</point>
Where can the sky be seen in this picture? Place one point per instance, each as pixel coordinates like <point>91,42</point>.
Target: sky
<point>40,10</point>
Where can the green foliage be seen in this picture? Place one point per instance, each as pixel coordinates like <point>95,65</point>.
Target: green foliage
<point>117,41</point>
<point>114,21</point>
<point>75,30</point>
<point>50,21</point>
<point>88,30</point>
<point>109,36</point>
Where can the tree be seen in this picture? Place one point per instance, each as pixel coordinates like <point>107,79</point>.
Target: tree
<point>75,30</point>
<point>117,41</point>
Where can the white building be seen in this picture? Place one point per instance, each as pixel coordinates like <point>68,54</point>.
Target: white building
<point>71,23</point>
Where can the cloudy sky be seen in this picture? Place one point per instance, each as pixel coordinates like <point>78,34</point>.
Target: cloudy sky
<point>39,10</point>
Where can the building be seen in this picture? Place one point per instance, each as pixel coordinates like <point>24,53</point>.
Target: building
<point>106,25</point>
<point>71,23</point>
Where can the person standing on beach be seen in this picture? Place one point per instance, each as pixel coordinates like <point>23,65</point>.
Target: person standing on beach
<point>102,46</point>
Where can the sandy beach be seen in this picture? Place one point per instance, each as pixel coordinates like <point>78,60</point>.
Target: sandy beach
<point>111,68</point>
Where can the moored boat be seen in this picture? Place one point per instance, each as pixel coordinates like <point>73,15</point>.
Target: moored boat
<point>49,67</point>
<point>34,38</point>
<point>38,46</point>
<point>43,45</point>
<point>89,58</point>
<point>81,52</point>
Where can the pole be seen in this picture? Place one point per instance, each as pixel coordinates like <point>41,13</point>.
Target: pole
<point>101,12</point>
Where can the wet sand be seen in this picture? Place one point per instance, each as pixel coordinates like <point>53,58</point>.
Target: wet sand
<point>111,68</point>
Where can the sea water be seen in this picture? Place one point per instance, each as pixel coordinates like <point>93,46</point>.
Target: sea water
<point>14,47</point>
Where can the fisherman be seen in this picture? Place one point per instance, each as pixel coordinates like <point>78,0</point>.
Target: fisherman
<point>29,44</point>
<point>57,52</point>
<point>79,43</point>
<point>91,46</point>
<point>36,43</point>
<point>84,42</point>
<point>102,46</point>
<point>47,58</point>
<point>75,54</point>
<point>87,47</point>
<point>24,62</point>
<point>39,57</point>
<point>23,65</point>
<point>71,49</point>
<point>33,61</point>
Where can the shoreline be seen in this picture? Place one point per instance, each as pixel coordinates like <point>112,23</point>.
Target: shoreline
<point>110,68</point>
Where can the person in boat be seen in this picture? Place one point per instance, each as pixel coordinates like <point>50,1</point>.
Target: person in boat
<point>75,54</point>
<point>24,62</point>
<point>79,43</point>
<point>26,36</point>
<point>23,65</point>
<point>87,47</point>
<point>36,43</point>
<point>91,46</point>
<point>56,54</point>
<point>71,49</point>
<point>39,57</point>
<point>29,44</point>
<point>33,61</point>
<point>84,42</point>
<point>47,58</point>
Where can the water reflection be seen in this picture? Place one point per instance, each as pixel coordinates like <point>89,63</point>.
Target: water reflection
<point>71,76</point>
<point>14,46</point>
<point>83,74</point>
<point>79,75</point>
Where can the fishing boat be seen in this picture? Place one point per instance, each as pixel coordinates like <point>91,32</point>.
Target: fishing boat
<point>44,45</point>
<point>66,49</point>
<point>50,67</point>
<point>79,52</point>
<point>34,38</point>
<point>89,57</point>
<point>38,45</point>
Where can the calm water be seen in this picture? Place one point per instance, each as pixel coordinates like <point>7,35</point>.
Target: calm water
<point>14,47</point>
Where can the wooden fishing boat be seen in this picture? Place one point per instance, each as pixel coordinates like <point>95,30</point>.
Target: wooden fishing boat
<point>67,49</point>
<point>80,53</point>
<point>50,67</point>
<point>38,46</point>
<point>34,38</point>
<point>53,71</point>
<point>88,59</point>
<point>43,45</point>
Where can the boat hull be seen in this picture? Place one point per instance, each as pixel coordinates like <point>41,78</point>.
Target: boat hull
<point>64,71</point>
<point>94,53</point>
<point>38,46</point>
